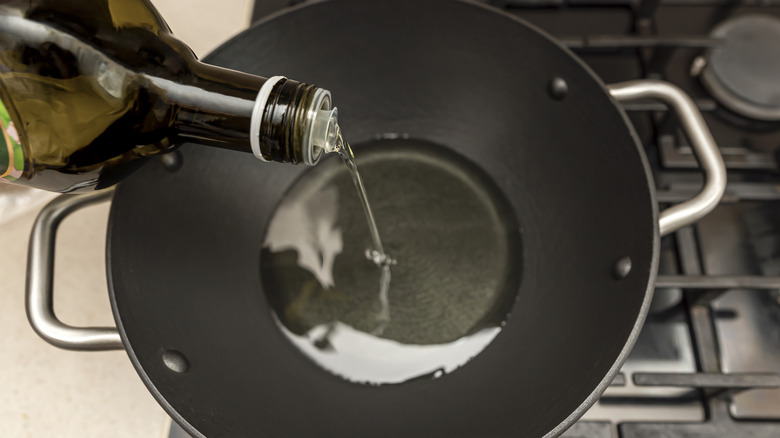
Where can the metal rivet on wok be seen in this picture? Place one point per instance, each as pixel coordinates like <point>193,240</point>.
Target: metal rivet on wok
<point>558,88</point>
<point>172,161</point>
<point>175,361</point>
<point>621,268</point>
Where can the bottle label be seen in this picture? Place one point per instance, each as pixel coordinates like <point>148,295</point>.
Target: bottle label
<point>11,152</point>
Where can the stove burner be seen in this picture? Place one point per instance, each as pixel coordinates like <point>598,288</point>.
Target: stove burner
<point>744,73</point>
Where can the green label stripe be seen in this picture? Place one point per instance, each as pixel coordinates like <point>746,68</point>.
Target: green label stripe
<point>11,153</point>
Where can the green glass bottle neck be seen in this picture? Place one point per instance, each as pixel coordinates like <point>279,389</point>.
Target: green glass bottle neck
<point>276,119</point>
<point>213,106</point>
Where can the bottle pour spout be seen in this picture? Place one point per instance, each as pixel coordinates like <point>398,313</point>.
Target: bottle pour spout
<point>325,131</point>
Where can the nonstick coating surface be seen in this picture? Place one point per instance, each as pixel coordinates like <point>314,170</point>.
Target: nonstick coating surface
<point>184,247</point>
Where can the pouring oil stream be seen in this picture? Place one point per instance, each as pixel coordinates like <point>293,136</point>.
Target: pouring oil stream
<point>376,254</point>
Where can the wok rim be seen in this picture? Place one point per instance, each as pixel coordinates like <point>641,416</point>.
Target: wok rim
<point>593,397</point>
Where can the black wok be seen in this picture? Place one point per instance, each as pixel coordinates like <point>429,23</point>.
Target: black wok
<point>183,249</point>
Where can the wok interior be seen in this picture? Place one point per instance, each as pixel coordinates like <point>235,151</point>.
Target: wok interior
<point>450,73</point>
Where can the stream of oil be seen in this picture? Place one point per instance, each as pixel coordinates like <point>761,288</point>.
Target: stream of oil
<point>376,254</point>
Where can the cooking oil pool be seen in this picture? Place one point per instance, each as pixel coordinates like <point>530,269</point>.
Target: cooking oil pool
<point>456,247</point>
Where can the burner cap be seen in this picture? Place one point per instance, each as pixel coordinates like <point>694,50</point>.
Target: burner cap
<point>744,73</point>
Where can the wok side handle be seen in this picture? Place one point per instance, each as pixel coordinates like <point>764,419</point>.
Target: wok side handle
<point>704,147</point>
<point>40,276</point>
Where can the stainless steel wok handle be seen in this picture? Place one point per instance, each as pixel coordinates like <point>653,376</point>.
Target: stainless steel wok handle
<point>40,276</point>
<point>704,147</point>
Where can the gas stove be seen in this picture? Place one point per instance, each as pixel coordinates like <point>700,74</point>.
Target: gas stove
<point>707,363</point>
